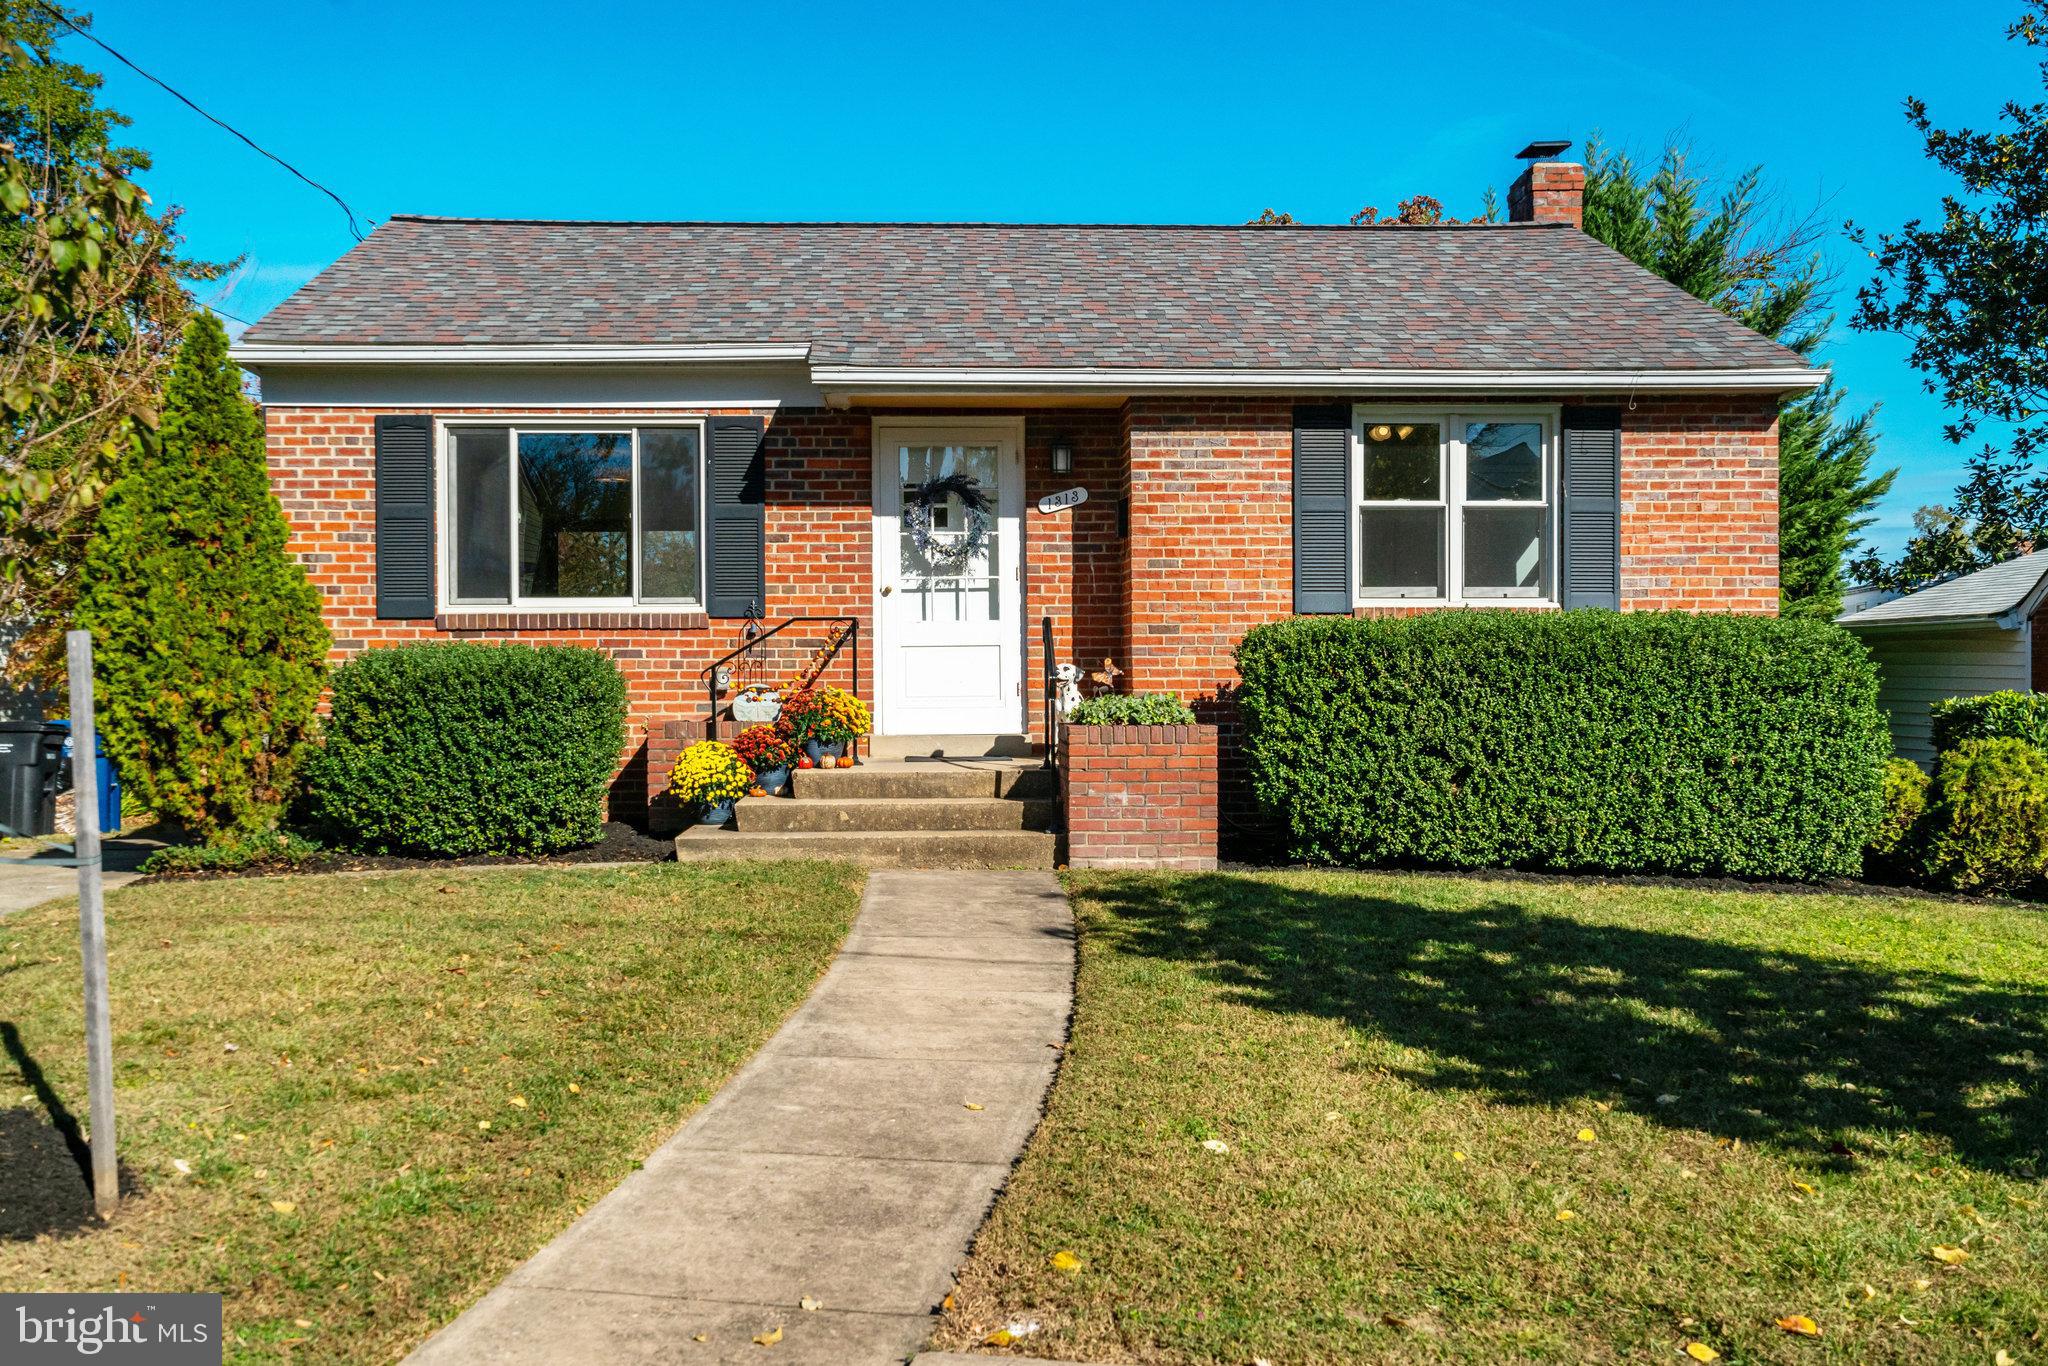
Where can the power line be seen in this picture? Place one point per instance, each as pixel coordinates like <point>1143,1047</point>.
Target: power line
<point>354,228</point>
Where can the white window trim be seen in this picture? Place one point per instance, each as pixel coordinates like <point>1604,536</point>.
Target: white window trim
<point>447,604</point>
<point>1451,420</point>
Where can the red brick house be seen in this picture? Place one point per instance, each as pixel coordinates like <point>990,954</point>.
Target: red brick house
<point>627,435</point>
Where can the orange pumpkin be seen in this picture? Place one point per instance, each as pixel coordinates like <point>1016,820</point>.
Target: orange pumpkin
<point>846,761</point>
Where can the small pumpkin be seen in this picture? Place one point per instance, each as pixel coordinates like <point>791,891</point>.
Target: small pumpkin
<point>757,791</point>
<point>804,761</point>
<point>846,761</point>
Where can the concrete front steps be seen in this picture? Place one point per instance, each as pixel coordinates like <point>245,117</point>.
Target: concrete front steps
<point>984,811</point>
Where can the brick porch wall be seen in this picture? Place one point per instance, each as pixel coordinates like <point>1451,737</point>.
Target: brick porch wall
<point>1141,796</point>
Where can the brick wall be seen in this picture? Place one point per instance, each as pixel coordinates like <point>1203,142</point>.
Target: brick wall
<point>1209,551</point>
<point>1699,504</point>
<point>1141,796</point>
<point>322,462</point>
<point>820,557</point>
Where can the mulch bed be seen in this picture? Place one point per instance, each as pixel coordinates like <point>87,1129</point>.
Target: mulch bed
<point>620,843</point>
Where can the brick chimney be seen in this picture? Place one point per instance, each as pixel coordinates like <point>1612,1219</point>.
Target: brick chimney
<point>1548,190</point>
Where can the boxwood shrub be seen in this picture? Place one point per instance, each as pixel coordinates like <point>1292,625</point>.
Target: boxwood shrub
<point>1131,709</point>
<point>1987,828</point>
<point>1643,741</point>
<point>454,749</point>
<point>1991,716</point>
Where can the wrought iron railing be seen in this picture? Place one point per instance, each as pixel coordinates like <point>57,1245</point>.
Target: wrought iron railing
<point>848,640</point>
<point>1052,713</point>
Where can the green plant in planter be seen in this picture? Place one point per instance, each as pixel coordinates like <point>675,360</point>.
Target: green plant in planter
<point>1131,709</point>
<point>710,772</point>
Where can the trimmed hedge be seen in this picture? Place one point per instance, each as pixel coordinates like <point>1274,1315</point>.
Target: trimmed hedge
<point>1987,829</point>
<point>1131,709</point>
<point>1641,741</point>
<point>456,749</point>
<point>1906,785</point>
<point>1991,716</point>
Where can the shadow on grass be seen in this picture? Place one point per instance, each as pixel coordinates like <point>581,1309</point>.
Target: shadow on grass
<point>1775,1048</point>
<point>45,1162</point>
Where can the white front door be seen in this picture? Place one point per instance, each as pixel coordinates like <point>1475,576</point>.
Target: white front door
<point>950,656</point>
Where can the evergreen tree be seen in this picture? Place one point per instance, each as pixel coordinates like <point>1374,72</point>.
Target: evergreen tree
<point>92,304</point>
<point>211,650</point>
<point>1662,221</point>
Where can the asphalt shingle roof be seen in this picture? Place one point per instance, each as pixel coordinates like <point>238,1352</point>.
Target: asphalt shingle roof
<point>1503,297</point>
<point>1992,592</point>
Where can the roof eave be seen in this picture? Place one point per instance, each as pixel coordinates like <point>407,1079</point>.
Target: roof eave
<point>896,381</point>
<point>2004,621</point>
<point>259,355</point>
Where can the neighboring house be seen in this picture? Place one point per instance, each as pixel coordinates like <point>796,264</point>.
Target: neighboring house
<point>1971,635</point>
<point>627,435</point>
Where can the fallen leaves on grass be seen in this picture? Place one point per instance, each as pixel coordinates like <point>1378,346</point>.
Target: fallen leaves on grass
<point>1587,1136</point>
<point>1565,1216</point>
<point>1215,1145</point>
<point>1800,1324</point>
<point>1066,1262</point>
<point>1003,1337</point>
<point>1948,1256</point>
<point>1699,1351</point>
<point>283,1206</point>
<point>519,1101</point>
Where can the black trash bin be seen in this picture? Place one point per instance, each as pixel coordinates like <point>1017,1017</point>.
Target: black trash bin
<point>31,755</point>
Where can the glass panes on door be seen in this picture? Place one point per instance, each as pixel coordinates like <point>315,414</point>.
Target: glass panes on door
<point>948,583</point>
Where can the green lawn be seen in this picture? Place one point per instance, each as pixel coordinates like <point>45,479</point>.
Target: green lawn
<point>353,1103</point>
<point>1503,1120</point>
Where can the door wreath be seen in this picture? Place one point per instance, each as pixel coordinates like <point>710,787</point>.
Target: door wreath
<point>951,552</point>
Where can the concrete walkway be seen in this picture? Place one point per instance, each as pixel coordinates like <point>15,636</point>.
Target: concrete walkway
<point>23,885</point>
<point>843,1164</point>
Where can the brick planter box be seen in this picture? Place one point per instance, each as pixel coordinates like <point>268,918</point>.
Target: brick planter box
<point>1140,796</point>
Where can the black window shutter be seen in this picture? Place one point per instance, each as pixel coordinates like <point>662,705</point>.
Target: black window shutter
<point>1322,508</point>
<point>736,549</point>
<point>1590,566</point>
<point>405,516</point>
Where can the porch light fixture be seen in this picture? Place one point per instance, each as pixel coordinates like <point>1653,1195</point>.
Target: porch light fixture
<point>1063,455</point>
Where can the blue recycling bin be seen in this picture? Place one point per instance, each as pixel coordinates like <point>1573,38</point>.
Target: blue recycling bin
<point>109,779</point>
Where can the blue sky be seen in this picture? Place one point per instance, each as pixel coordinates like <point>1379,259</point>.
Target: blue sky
<point>1192,112</point>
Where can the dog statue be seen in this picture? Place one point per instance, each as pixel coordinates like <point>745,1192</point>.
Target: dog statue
<point>1069,676</point>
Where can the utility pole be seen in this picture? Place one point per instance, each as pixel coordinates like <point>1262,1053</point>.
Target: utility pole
<point>92,923</point>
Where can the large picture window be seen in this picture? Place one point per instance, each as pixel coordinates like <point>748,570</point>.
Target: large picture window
<point>585,516</point>
<point>1453,506</point>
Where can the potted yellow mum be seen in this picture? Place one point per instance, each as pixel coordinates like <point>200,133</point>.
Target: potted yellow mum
<point>710,776</point>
